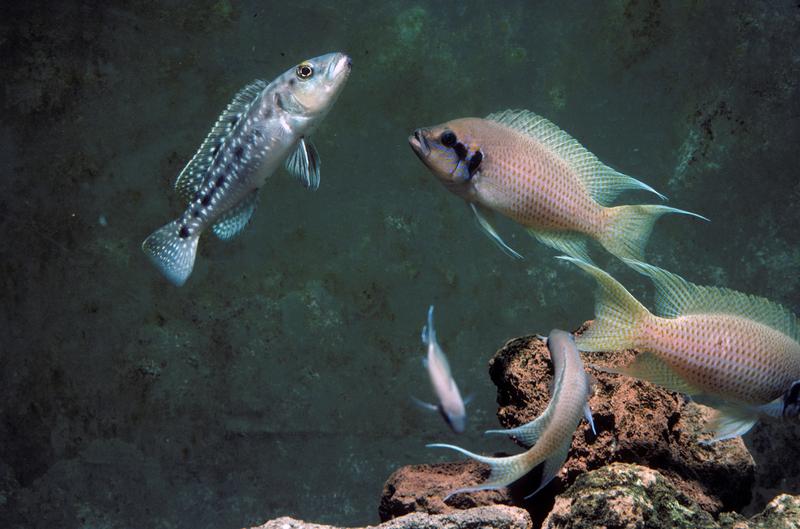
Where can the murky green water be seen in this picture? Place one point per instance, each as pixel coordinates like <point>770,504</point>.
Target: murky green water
<point>276,382</point>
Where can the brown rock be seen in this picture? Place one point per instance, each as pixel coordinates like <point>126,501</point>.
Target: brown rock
<point>636,422</point>
<point>422,488</point>
<point>496,517</point>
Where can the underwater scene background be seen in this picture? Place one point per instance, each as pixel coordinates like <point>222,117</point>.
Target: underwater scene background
<point>277,380</point>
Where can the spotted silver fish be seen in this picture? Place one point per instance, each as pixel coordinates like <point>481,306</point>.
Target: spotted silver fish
<point>264,126</point>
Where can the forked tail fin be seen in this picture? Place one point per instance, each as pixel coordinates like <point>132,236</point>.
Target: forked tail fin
<point>171,253</point>
<point>629,227</point>
<point>617,313</point>
<point>504,470</point>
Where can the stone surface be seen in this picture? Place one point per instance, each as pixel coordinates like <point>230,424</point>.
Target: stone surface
<point>636,423</point>
<point>623,495</point>
<point>496,517</point>
<point>423,488</point>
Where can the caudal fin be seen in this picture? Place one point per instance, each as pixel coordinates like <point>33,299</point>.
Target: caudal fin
<point>629,227</point>
<point>617,313</point>
<point>504,470</point>
<point>172,254</point>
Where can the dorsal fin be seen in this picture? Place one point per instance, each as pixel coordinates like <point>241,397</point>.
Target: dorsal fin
<point>191,178</point>
<point>602,182</point>
<point>675,297</point>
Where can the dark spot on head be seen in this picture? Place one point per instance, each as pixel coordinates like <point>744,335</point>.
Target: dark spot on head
<point>448,138</point>
<point>220,180</point>
<point>206,199</point>
<point>184,232</point>
<point>238,152</point>
<point>475,162</point>
<point>461,151</point>
<point>292,81</point>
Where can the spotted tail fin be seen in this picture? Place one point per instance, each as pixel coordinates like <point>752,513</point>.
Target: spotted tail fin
<point>629,227</point>
<point>617,313</point>
<point>172,254</point>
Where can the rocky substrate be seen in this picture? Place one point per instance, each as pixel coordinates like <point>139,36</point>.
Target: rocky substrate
<point>641,428</point>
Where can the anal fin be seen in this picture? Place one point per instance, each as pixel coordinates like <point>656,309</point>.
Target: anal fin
<point>647,366</point>
<point>729,422</point>
<point>235,219</point>
<point>572,244</point>
<point>553,464</point>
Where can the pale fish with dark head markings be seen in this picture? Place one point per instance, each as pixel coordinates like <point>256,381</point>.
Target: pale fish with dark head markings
<point>550,434</point>
<point>522,166</point>
<point>737,353</point>
<point>264,126</point>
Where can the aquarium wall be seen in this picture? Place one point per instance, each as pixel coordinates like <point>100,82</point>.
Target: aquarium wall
<point>277,380</point>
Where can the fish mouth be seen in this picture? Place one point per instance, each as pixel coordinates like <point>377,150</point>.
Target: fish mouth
<point>419,143</point>
<point>342,65</point>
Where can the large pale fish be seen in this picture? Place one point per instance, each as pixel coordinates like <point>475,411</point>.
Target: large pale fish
<point>551,433</point>
<point>264,126</point>
<point>450,404</point>
<point>737,353</point>
<point>522,166</point>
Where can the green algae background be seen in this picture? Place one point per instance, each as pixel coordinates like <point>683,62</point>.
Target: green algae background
<point>277,381</point>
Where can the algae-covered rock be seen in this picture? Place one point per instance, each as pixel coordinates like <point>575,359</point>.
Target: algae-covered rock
<point>624,495</point>
<point>497,517</point>
<point>783,512</point>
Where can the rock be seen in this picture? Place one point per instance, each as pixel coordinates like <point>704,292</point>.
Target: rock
<point>783,512</point>
<point>421,488</point>
<point>624,495</point>
<point>637,422</point>
<point>497,517</point>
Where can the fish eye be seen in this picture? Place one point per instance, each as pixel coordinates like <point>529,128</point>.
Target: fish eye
<point>448,138</point>
<point>304,71</point>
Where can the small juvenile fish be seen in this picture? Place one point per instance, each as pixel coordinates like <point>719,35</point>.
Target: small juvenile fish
<point>736,353</point>
<point>551,432</point>
<point>451,405</point>
<point>522,166</point>
<point>264,125</point>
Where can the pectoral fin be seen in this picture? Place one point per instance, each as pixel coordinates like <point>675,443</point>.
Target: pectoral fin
<point>480,215</point>
<point>424,405</point>
<point>304,164</point>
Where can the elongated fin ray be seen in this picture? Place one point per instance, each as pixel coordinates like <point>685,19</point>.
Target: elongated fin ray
<point>428,330</point>
<point>647,366</point>
<point>480,216</point>
<point>504,470</point>
<point>191,179</point>
<point>629,227</point>
<point>304,164</point>
<point>572,244</point>
<point>602,182</point>
<point>233,221</point>
<point>675,297</point>
<point>172,254</point>
<point>617,313</point>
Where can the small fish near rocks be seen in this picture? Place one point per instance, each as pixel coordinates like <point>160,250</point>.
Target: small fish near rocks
<point>265,125</point>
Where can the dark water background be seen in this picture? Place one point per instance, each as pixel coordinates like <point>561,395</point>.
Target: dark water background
<point>277,380</point>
